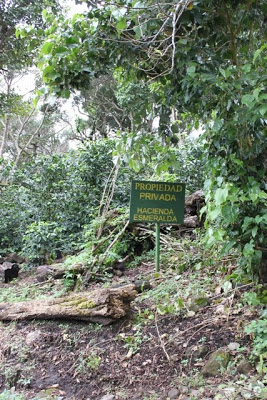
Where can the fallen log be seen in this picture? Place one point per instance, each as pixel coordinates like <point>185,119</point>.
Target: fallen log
<point>102,306</point>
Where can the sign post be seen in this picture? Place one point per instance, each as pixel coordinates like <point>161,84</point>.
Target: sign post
<point>157,248</point>
<point>158,202</point>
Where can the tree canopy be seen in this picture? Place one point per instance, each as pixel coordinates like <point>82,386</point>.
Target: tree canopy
<point>204,58</point>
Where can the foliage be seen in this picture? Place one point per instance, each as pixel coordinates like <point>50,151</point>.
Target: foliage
<point>87,362</point>
<point>53,198</point>
<point>207,61</point>
<point>184,163</point>
<point>258,329</point>
<point>11,395</point>
<point>16,53</point>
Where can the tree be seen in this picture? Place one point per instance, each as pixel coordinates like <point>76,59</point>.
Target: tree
<point>21,130</point>
<point>15,53</point>
<point>206,59</point>
<point>26,129</point>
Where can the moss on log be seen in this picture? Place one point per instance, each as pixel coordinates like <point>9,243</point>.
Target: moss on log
<point>101,306</point>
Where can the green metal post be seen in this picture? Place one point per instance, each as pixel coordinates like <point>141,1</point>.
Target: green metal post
<point>157,252</point>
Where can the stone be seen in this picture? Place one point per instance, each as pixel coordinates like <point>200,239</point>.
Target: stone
<point>183,389</point>
<point>118,272</point>
<point>8,271</point>
<point>33,337</point>
<point>244,367</point>
<point>108,397</point>
<point>197,351</point>
<point>43,272</point>
<point>218,359</point>
<point>173,393</point>
<point>201,351</point>
<point>228,393</point>
<point>141,285</point>
<point>15,258</point>
<point>233,346</point>
<point>194,393</point>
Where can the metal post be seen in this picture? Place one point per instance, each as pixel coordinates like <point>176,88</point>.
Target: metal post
<point>157,250</point>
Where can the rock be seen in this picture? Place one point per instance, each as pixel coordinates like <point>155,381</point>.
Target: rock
<point>233,346</point>
<point>201,351</point>
<point>141,286</point>
<point>218,360</point>
<point>173,393</point>
<point>43,272</point>
<point>197,351</point>
<point>183,389</point>
<point>57,271</point>
<point>33,337</point>
<point>227,393</point>
<point>15,258</point>
<point>195,393</point>
<point>108,397</point>
<point>175,357</point>
<point>244,367</point>
<point>196,304</point>
<point>191,221</point>
<point>8,271</point>
<point>202,301</point>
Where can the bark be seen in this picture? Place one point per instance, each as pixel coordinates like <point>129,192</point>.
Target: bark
<point>263,267</point>
<point>100,306</point>
<point>193,205</point>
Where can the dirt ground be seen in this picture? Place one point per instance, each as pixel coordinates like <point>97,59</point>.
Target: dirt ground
<point>155,353</point>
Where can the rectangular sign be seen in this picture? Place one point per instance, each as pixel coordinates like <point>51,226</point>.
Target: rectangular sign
<point>160,202</point>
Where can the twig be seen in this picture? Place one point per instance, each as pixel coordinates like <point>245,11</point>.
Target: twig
<point>114,241</point>
<point>160,339</point>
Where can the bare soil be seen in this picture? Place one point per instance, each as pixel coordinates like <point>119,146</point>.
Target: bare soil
<point>143,356</point>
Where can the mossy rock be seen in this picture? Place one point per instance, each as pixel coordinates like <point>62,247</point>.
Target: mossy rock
<point>216,363</point>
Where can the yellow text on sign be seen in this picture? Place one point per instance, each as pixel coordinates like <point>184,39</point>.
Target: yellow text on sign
<point>158,187</point>
<point>155,214</point>
<point>157,196</point>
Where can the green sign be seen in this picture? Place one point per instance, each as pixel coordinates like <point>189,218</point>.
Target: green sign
<point>160,202</point>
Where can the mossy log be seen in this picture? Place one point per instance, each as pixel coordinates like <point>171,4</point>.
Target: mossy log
<point>102,306</point>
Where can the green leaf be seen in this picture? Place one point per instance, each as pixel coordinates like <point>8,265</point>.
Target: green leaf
<point>60,49</point>
<point>258,52</point>
<point>121,25</point>
<point>221,195</point>
<point>47,47</point>
<point>228,246</point>
<point>263,110</point>
<point>65,94</point>
<point>254,231</point>
<point>248,100</point>
<point>214,213</point>
<point>218,124</point>
<point>35,101</point>
<point>191,70</point>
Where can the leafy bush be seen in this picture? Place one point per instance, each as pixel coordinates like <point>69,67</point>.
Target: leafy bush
<point>48,204</point>
<point>168,162</point>
<point>53,198</point>
<point>42,241</point>
<point>45,208</point>
<point>258,329</point>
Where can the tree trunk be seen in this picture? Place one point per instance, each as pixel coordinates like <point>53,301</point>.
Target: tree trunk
<point>102,306</point>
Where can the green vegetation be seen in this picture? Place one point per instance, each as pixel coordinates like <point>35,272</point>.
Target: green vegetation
<point>167,92</point>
